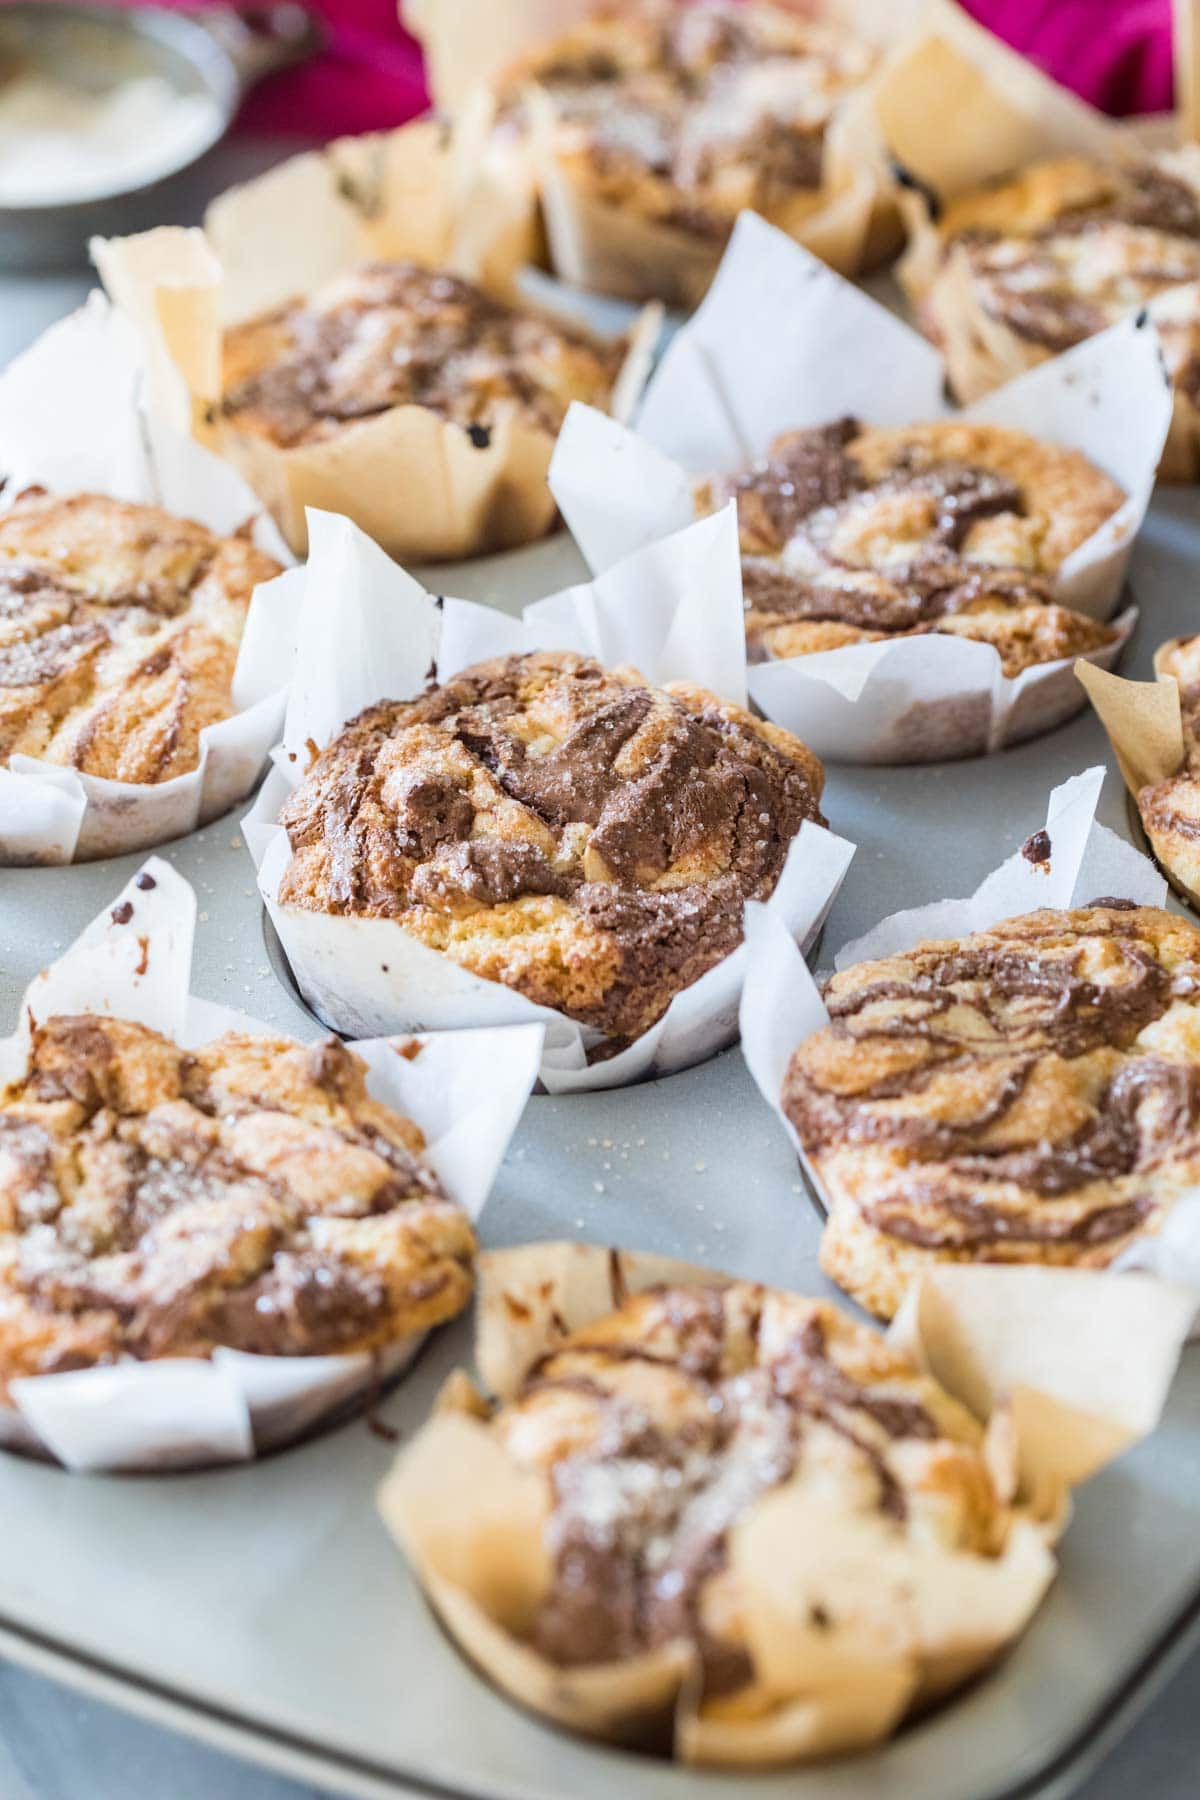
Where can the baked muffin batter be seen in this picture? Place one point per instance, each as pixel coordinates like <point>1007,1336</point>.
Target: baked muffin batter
<point>395,334</point>
<point>119,633</point>
<point>1027,1094</point>
<point>160,1202</point>
<point>688,114</point>
<point>851,534</point>
<point>562,828</point>
<point>660,1426</point>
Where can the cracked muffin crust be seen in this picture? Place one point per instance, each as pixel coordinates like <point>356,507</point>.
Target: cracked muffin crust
<point>1170,809</point>
<point>160,1202</point>
<point>119,633</point>
<point>1027,268</point>
<point>555,826</point>
<point>852,534</point>
<point>687,114</point>
<point>659,1427</point>
<point>395,334</point>
<point>1030,1093</point>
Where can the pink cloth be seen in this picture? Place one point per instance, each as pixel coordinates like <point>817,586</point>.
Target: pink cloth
<point>1115,53</point>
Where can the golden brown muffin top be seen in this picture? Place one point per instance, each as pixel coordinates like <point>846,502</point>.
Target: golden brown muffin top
<point>1032,1090</point>
<point>394,334</point>
<point>1070,245</point>
<point>660,1426</point>
<point>119,631</point>
<point>852,533</point>
<point>160,1202</point>
<point>564,828</point>
<point>694,112</point>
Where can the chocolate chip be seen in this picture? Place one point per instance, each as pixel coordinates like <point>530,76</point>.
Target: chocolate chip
<point>480,436</point>
<point>1036,849</point>
<point>122,914</point>
<point>145,882</point>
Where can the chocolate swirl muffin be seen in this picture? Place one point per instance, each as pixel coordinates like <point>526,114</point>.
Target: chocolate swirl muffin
<point>852,534</point>
<point>1031,266</point>
<point>395,334</point>
<point>160,1202</point>
<point>119,633</point>
<point>556,826</point>
<point>687,114</point>
<point>658,1429</point>
<point>1027,1094</point>
<point>1170,809</point>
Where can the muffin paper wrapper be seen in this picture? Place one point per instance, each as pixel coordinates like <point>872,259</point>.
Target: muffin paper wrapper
<point>674,612</point>
<point>611,249</point>
<point>71,420</point>
<point>466,1092</point>
<point>1084,1375</point>
<point>782,1005</point>
<point>783,343</point>
<point>415,481</point>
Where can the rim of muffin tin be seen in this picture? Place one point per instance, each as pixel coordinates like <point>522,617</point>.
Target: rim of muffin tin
<point>1142,842</point>
<point>282,969</point>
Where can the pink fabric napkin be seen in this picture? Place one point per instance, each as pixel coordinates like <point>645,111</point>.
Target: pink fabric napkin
<point>1115,53</point>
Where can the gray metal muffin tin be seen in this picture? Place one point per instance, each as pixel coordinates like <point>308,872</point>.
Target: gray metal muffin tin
<point>264,1608</point>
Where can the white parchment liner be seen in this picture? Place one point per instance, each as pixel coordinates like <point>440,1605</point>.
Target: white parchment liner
<point>418,482</point>
<point>1065,1369</point>
<point>72,420</point>
<point>849,221</point>
<point>782,1005</point>
<point>466,1092</point>
<point>782,343</point>
<point>674,612</point>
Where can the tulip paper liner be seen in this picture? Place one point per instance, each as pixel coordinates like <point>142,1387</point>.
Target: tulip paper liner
<point>1144,722</point>
<point>72,420</point>
<point>674,612</point>
<point>424,486</point>
<point>849,1625</point>
<point>612,249</point>
<point>783,343</point>
<point>782,1004</point>
<point>466,1092</point>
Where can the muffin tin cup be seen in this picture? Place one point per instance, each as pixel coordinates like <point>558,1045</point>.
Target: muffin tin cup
<point>465,1092</point>
<point>674,612</point>
<point>71,421</point>
<point>783,343</point>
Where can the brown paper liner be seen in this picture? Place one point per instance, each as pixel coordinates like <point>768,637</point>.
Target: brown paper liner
<point>411,479</point>
<point>958,110</point>
<point>850,222</point>
<point>849,1627</point>
<point>1144,723</point>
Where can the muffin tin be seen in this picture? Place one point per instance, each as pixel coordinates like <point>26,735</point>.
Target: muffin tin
<point>264,1608</point>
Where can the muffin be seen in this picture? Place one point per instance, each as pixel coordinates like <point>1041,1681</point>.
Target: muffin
<point>392,341</point>
<point>854,534</point>
<point>1030,1093</point>
<point>711,1515</point>
<point>1032,265</point>
<point>676,118</point>
<point>1170,809</point>
<point>119,633</point>
<point>558,827</point>
<point>160,1202</point>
